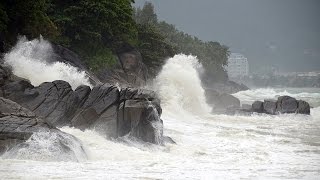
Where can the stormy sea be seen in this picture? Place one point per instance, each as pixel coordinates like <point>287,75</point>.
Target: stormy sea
<point>208,146</point>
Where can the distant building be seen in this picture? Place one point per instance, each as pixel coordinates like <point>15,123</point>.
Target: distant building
<point>237,66</point>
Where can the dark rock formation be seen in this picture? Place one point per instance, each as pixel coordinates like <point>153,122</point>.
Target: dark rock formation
<point>287,104</point>
<point>257,106</point>
<point>18,124</point>
<point>270,106</point>
<point>105,108</point>
<point>303,107</point>
<point>130,70</point>
<point>284,104</point>
<point>222,102</point>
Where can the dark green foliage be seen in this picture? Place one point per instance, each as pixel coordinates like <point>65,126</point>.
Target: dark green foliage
<point>103,58</point>
<point>95,28</point>
<point>154,48</point>
<point>108,22</point>
<point>19,17</point>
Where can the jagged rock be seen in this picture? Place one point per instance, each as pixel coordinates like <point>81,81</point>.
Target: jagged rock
<point>55,101</point>
<point>89,109</point>
<point>257,106</point>
<point>139,119</point>
<point>83,92</point>
<point>99,110</point>
<point>18,125</point>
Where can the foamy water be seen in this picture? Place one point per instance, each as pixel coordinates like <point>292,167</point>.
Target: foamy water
<point>32,60</point>
<point>208,146</point>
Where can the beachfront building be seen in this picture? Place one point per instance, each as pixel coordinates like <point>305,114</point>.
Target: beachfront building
<point>238,66</point>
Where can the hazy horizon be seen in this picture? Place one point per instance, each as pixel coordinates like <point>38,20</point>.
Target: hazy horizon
<point>284,34</point>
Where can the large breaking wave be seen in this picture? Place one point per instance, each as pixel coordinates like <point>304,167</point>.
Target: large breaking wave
<point>31,60</point>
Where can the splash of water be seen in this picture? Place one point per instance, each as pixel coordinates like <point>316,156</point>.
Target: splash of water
<point>179,86</point>
<point>31,60</point>
<point>49,146</point>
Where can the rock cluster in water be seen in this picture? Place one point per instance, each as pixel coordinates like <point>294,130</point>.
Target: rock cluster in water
<point>283,105</point>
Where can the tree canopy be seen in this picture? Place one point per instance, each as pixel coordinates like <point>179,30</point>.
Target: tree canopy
<point>97,29</point>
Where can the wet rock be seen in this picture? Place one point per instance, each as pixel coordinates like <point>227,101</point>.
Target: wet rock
<point>303,107</point>
<point>286,104</point>
<point>269,106</point>
<point>257,106</point>
<point>139,119</point>
<point>18,126</point>
<point>222,103</point>
<point>99,110</point>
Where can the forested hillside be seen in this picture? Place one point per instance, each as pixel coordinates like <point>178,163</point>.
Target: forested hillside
<point>97,30</point>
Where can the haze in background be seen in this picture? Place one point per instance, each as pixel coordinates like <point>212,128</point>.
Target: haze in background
<point>284,34</point>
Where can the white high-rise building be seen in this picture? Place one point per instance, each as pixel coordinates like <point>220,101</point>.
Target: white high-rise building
<point>237,66</point>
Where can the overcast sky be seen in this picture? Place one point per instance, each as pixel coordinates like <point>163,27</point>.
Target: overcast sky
<point>281,33</point>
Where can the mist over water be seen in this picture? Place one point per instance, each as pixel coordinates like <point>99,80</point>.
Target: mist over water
<point>32,60</point>
<point>208,146</point>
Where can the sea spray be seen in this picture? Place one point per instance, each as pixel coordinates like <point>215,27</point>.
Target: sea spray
<point>49,146</point>
<point>179,86</point>
<point>31,60</point>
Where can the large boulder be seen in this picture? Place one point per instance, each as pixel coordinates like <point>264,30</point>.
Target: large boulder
<point>270,106</point>
<point>22,134</point>
<point>55,101</point>
<point>99,111</point>
<point>303,107</point>
<point>222,102</point>
<point>287,104</point>
<point>257,106</point>
<point>140,119</point>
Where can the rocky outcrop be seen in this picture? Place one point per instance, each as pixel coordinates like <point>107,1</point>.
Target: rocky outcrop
<point>222,102</point>
<point>111,111</point>
<point>284,104</point>
<point>129,71</point>
<point>18,125</point>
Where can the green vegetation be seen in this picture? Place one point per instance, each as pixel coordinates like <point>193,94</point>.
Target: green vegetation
<point>212,55</point>
<point>96,30</point>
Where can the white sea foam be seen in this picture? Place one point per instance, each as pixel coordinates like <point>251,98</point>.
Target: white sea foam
<point>32,60</point>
